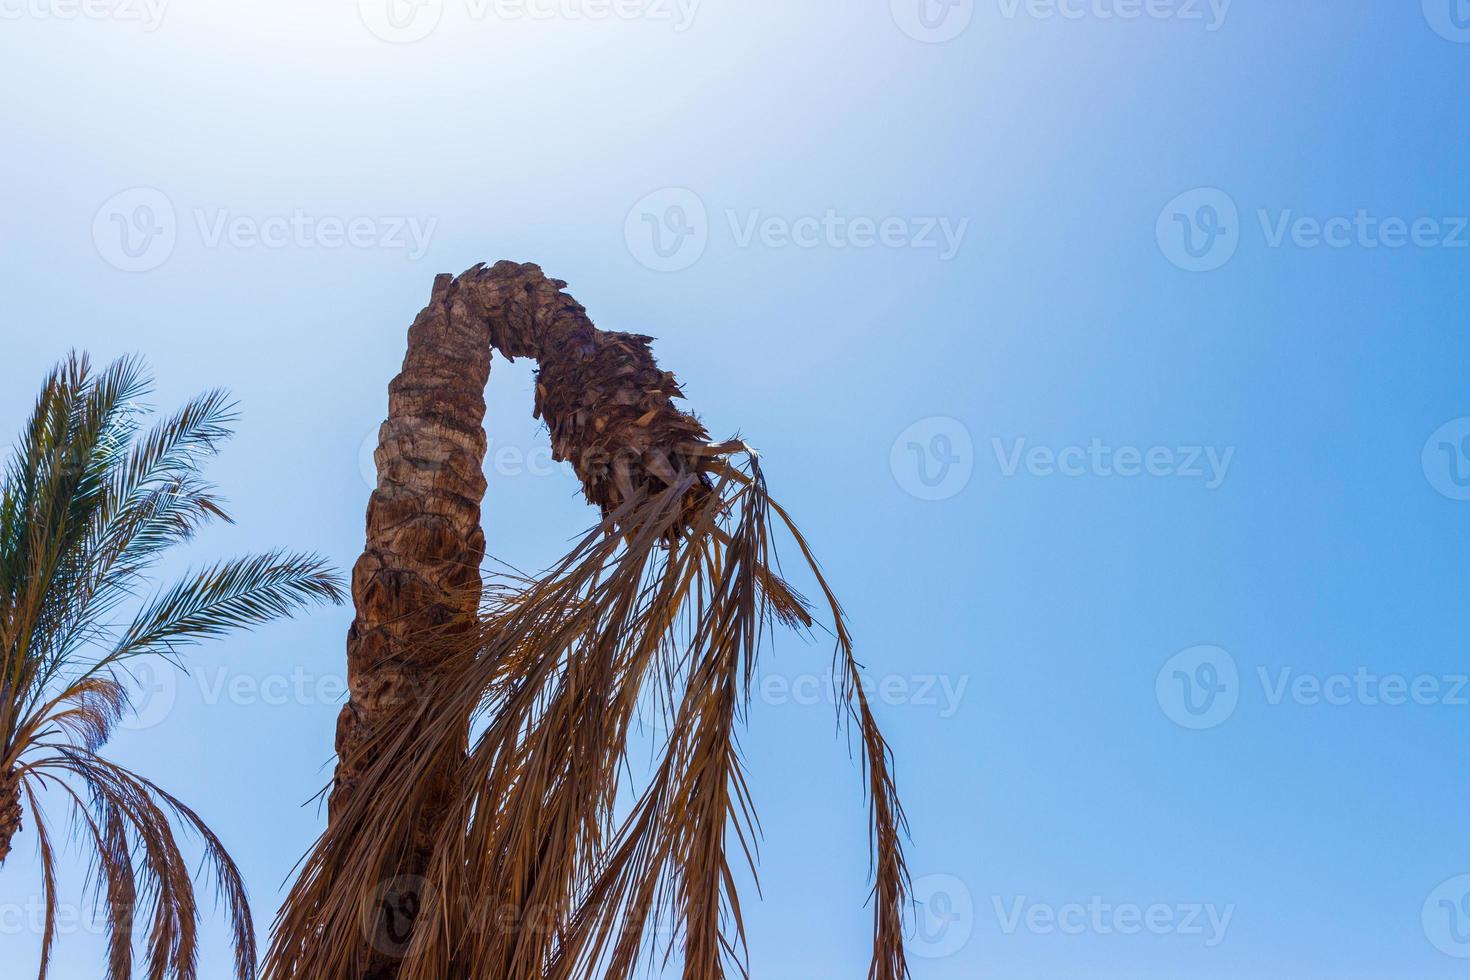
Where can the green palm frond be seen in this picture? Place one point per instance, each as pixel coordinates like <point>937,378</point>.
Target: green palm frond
<point>89,503</point>
<point>231,595</point>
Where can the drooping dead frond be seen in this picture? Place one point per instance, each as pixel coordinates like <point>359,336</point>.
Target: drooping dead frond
<point>530,869</point>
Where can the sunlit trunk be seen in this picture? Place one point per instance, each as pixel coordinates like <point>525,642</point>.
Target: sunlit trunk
<point>420,569</point>
<point>608,408</point>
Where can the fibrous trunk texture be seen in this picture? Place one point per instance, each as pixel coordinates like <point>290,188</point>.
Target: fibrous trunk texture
<point>10,812</point>
<point>418,572</point>
<point>610,412</point>
<point>609,406</point>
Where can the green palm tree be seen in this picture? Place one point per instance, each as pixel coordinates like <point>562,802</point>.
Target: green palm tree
<point>90,501</point>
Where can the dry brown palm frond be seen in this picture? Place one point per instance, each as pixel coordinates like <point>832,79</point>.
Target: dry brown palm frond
<point>533,872</point>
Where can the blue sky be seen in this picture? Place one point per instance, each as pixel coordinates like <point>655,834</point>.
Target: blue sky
<point>1109,352</point>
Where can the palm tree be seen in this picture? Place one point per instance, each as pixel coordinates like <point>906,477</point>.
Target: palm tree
<point>90,502</point>
<point>476,831</point>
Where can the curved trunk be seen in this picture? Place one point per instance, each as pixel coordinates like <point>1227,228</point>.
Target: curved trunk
<point>610,411</point>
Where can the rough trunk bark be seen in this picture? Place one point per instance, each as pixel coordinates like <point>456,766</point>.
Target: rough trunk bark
<point>609,406</point>
<point>421,567</point>
<point>10,812</point>
<point>610,412</point>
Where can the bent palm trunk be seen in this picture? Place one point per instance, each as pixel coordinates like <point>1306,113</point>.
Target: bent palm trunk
<point>501,858</point>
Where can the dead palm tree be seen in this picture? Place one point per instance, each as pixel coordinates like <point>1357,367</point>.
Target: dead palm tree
<point>89,504</point>
<point>485,824</point>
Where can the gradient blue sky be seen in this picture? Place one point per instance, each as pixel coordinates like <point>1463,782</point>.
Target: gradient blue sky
<point>1025,626</point>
